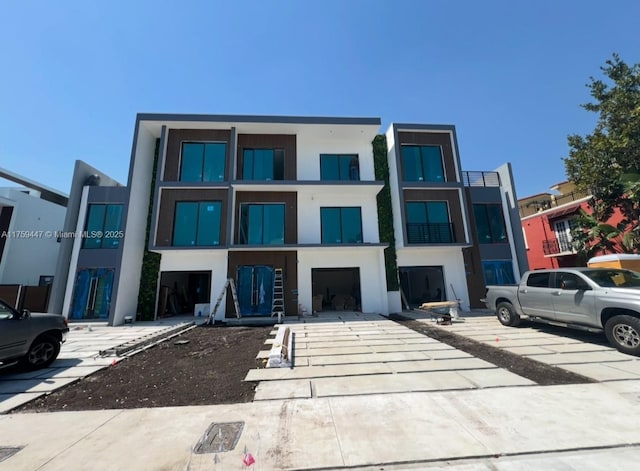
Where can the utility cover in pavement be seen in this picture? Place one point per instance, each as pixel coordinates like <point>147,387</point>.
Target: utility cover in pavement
<point>8,452</point>
<point>220,437</point>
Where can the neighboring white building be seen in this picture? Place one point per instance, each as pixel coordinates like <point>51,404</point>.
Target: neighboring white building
<point>30,216</point>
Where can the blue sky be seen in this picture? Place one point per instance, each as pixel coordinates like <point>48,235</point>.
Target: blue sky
<point>509,74</point>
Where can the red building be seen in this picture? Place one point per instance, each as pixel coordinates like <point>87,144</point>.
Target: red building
<point>547,220</point>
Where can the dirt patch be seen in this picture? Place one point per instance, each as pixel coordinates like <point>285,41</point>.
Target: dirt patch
<point>536,371</point>
<point>206,365</point>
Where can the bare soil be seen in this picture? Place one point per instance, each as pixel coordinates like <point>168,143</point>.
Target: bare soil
<point>203,366</point>
<point>536,371</point>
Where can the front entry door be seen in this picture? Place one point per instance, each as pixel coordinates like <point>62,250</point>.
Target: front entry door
<point>92,293</point>
<point>255,290</point>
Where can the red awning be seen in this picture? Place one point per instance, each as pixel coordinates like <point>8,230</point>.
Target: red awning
<point>563,211</point>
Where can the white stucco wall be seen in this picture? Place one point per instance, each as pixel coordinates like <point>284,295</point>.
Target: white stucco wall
<point>29,256</point>
<point>310,202</point>
<point>373,288</point>
<point>135,229</point>
<point>75,252</point>
<point>313,142</point>
<point>452,263</point>
<point>394,185</point>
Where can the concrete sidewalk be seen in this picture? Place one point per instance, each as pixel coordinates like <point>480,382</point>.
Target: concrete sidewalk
<point>588,426</point>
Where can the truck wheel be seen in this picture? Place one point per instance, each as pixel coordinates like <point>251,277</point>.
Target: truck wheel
<point>43,351</point>
<point>507,315</point>
<point>623,332</point>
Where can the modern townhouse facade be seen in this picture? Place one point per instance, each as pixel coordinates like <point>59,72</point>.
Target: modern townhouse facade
<point>286,207</point>
<point>430,211</point>
<point>498,254</point>
<point>453,229</point>
<point>89,264</point>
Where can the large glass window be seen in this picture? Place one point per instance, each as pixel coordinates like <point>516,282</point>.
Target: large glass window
<point>498,272</point>
<point>263,164</point>
<point>341,225</point>
<point>428,222</point>
<point>262,224</point>
<point>422,163</point>
<point>489,223</point>
<point>339,167</point>
<point>197,223</point>
<point>203,162</point>
<point>103,229</point>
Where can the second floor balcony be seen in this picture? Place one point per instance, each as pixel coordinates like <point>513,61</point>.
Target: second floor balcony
<point>556,247</point>
<point>430,233</point>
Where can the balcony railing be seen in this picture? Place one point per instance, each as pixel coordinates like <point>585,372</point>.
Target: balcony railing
<point>481,178</point>
<point>436,233</point>
<point>554,201</point>
<point>555,247</point>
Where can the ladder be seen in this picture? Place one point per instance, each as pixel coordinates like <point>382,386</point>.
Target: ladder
<point>278,294</point>
<point>227,284</point>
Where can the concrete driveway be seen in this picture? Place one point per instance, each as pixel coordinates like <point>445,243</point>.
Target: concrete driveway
<point>78,358</point>
<point>346,354</point>
<point>588,354</point>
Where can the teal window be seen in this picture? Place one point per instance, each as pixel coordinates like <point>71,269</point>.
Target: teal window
<point>203,162</point>
<point>422,163</point>
<point>489,223</point>
<point>103,229</point>
<point>498,272</point>
<point>341,225</point>
<point>428,222</point>
<point>197,223</point>
<point>339,167</point>
<point>263,164</point>
<point>261,224</point>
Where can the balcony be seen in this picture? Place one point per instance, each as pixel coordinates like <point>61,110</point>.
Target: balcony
<point>549,202</point>
<point>487,179</point>
<point>425,233</point>
<point>556,247</point>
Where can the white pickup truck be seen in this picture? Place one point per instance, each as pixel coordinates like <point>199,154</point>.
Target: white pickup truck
<point>588,298</point>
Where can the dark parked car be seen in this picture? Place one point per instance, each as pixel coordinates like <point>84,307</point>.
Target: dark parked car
<point>32,340</point>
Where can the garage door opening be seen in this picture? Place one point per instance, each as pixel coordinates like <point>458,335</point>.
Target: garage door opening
<point>336,289</point>
<point>180,291</point>
<point>422,285</point>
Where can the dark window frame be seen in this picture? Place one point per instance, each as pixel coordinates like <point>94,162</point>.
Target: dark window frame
<point>494,239</point>
<point>276,171</point>
<point>422,170</point>
<point>204,146</point>
<point>197,223</point>
<point>115,234</point>
<point>351,176</point>
<point>340,208</point>
<point>243,238</point>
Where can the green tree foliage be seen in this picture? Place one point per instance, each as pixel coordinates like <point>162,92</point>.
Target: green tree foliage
<point>150,260</point>
<point>606,163</point>
<point>385,213</point>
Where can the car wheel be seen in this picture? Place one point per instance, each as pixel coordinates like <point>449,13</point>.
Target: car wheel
<point>507,315</point>
<point>623,332</point>
<point>43,351</point>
